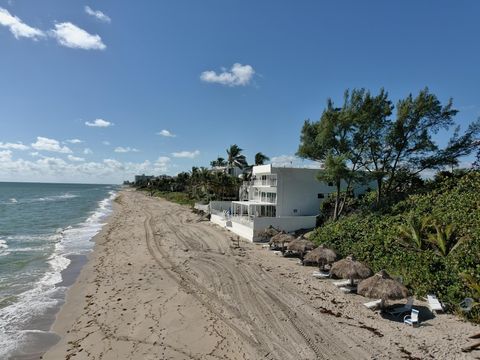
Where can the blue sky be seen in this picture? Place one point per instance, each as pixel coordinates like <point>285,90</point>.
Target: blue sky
<point>148,66</point>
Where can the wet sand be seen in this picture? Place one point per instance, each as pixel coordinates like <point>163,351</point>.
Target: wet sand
<point>161,284</point>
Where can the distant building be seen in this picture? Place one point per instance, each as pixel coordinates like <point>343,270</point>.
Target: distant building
<point>286,198</point>
<point>143,178</point>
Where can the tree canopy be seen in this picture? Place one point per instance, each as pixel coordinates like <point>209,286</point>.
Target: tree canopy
<point>363,134</point>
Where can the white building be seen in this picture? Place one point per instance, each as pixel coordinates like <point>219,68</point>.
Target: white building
<point>287,198</point>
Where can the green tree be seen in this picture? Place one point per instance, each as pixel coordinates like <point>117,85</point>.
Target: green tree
<point>235,158</point>
<point>219,161</point>
<point>406,144</point>
<point>335,171</point>
<point>343,133</point>
<point>260,158</point>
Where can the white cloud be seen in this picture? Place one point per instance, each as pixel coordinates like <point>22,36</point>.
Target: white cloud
<point>238,75</point>
<point>47,144</point>
<point>114,164</point>
<point>98,14</point>
<point>186,154</point>
<point>13,146</point>
<point>87,151</point>
<point>70,35</point>
<point>127,149</point>
<point>74,158</point>
<point>294,161</point>
<point>106,143</point>
<point>166,133</point>
<point>5,155</point>
<point>74,141</point>
<point>98,123</point>
<point>162,161</point>
<point>53,169</point>
<point>18,28</point>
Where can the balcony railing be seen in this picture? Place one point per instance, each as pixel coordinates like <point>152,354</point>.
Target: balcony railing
<point>244,220</point>
<point>265,182</point>
<point>264,199</point>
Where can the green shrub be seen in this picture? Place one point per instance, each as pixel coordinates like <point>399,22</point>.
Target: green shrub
<point>375,238</point>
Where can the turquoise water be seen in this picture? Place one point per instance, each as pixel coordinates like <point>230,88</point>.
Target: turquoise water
<point>40,226</point>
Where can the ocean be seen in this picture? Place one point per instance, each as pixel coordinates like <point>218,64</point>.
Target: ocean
<point>43,229</point>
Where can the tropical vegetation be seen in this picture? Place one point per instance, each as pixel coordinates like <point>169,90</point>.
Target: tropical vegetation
<point>205,184</point>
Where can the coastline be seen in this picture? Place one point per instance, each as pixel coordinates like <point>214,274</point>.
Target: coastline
<point>38,335</point>
<point>38,341</point>
<point>162,284</point>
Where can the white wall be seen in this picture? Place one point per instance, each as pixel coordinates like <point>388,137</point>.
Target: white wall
<point>239,229</point>
<point>299,189</point>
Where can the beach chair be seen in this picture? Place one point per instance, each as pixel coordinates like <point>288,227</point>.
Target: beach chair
<point>372,305</point>
<point>341,283</point>
<point>402,309</point>
<point>412,319</point>
<point>466,304</point>
<point>433,304</point>
<point>320,275</point>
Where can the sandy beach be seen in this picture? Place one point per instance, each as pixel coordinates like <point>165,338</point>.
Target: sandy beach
<point>161,284</point>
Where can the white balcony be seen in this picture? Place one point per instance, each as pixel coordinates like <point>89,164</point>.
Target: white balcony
<point>264,199</point>
<point>264,182</point>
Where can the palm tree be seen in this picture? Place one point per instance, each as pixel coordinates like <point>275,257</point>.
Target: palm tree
<point>235,157</point>
<point>218,162</point>
<point>260,158</point>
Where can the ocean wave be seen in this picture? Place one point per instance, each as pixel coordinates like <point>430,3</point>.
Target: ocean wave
<point>54,197</point>
<point>14,201</point>
<point>3,247</point>
<point>46,293</point>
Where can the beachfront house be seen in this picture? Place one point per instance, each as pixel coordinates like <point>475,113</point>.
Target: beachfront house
<point>284,197</point>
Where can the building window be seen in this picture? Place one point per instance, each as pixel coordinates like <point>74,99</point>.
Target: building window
<point>321,196</point>
<point>330,183</point>
<point>294,211</point>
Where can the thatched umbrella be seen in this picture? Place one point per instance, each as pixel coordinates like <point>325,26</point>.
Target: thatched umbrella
<point>349,268</point>
<point>321,256</point>
<point>382,286</point>
<point>269,232</point>
<point>281,239</point>
<point>300,246</point>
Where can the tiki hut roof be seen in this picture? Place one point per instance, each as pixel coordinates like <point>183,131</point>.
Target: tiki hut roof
<point>281,238</point>
<point>300,245</point>
<point>320,255</point>
<point>349,268</point>
<point>269,232</point>
<point>382,286</point>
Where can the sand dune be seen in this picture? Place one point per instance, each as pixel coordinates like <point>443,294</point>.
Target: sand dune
<point>162,285</point>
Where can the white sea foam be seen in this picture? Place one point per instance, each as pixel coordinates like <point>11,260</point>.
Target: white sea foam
<point>54,197</point>
<point>3,247</point>
<point>46,293</point>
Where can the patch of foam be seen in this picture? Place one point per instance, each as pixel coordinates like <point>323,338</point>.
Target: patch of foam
<point>3,247</point>
<point>54,197</point>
